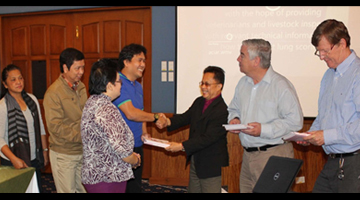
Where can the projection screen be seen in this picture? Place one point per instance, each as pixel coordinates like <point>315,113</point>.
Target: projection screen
<point>213,35</point>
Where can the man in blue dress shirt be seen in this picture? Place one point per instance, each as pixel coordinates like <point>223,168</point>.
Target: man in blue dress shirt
<point>337,126</point>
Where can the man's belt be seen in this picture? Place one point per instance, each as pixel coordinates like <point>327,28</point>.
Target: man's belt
<point>263,148</point>
<point>343,155</point>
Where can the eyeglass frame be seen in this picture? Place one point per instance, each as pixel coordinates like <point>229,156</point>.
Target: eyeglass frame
<point>318,54</point>
<point>201,83</point>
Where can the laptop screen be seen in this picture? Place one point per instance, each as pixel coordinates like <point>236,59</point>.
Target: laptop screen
<point>278,175</point>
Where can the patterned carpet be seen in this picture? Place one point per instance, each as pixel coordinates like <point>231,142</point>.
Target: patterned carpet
<point>49,187</point>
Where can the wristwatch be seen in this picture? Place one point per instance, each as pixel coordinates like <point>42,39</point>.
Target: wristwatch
<point>156,117</point>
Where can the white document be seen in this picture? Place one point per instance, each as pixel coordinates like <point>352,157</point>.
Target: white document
<point>295,136</point>
<point>156,142</point>
<point>236,127</point>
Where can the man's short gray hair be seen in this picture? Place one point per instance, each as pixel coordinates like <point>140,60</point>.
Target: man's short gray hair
<point>259,48</point>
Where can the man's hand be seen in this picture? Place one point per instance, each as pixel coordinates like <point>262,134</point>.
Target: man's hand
<point>255,131</point>
<point>316,138</point>
<point>174,147</point>
<point>235,121</point>
<point>163,121</point>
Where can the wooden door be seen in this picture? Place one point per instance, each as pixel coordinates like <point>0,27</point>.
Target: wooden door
<point>34,42</point>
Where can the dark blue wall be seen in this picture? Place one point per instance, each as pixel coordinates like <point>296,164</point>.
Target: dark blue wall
<point>163,49</point>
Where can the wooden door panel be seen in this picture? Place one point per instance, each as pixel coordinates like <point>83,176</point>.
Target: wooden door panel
<point>90,38</point>
<point>134,32</point>
<point>38,40</point>
<point>19,41</point>
<point>112,36</point>
<point>57,39</point>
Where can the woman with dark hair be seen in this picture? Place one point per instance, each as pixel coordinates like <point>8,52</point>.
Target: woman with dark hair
<point>107,141</point>
<point>22,135</point>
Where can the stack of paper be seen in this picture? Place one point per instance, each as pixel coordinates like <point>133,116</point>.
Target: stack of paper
<point>156,142</point>
<point>295,136</point>
<point>236,127</point>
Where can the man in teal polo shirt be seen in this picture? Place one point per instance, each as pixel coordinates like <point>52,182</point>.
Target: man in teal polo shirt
<point>131,103</point>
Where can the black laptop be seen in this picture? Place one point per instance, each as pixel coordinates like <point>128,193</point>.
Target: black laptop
<point>278,175</point>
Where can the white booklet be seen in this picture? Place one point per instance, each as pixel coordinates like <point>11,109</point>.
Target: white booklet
<point>236,127</point>
<point>295,136</point>
<point>156,142</point>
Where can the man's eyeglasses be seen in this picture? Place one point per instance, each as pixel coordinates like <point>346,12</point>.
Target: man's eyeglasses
<point>318,53</point>
<point>201,83</point>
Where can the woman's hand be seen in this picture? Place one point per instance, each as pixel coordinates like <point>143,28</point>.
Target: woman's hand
<point>134,159</point>
<point>18,163</point>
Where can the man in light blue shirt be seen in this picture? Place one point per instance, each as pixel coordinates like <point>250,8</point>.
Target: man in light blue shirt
<point>337,126</point>
<point>266,101</point>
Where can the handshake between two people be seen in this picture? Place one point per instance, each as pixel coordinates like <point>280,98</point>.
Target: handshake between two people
<point>162,123</point>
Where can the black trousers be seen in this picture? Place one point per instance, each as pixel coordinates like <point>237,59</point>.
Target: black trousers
<point>134,185</point>
<point>329,182</point>
<point>35,164</point>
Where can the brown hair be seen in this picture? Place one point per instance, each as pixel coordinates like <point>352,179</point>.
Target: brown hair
<point>333,31</point>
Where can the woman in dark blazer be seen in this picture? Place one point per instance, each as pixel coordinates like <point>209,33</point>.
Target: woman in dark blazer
<point>207,144</point>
